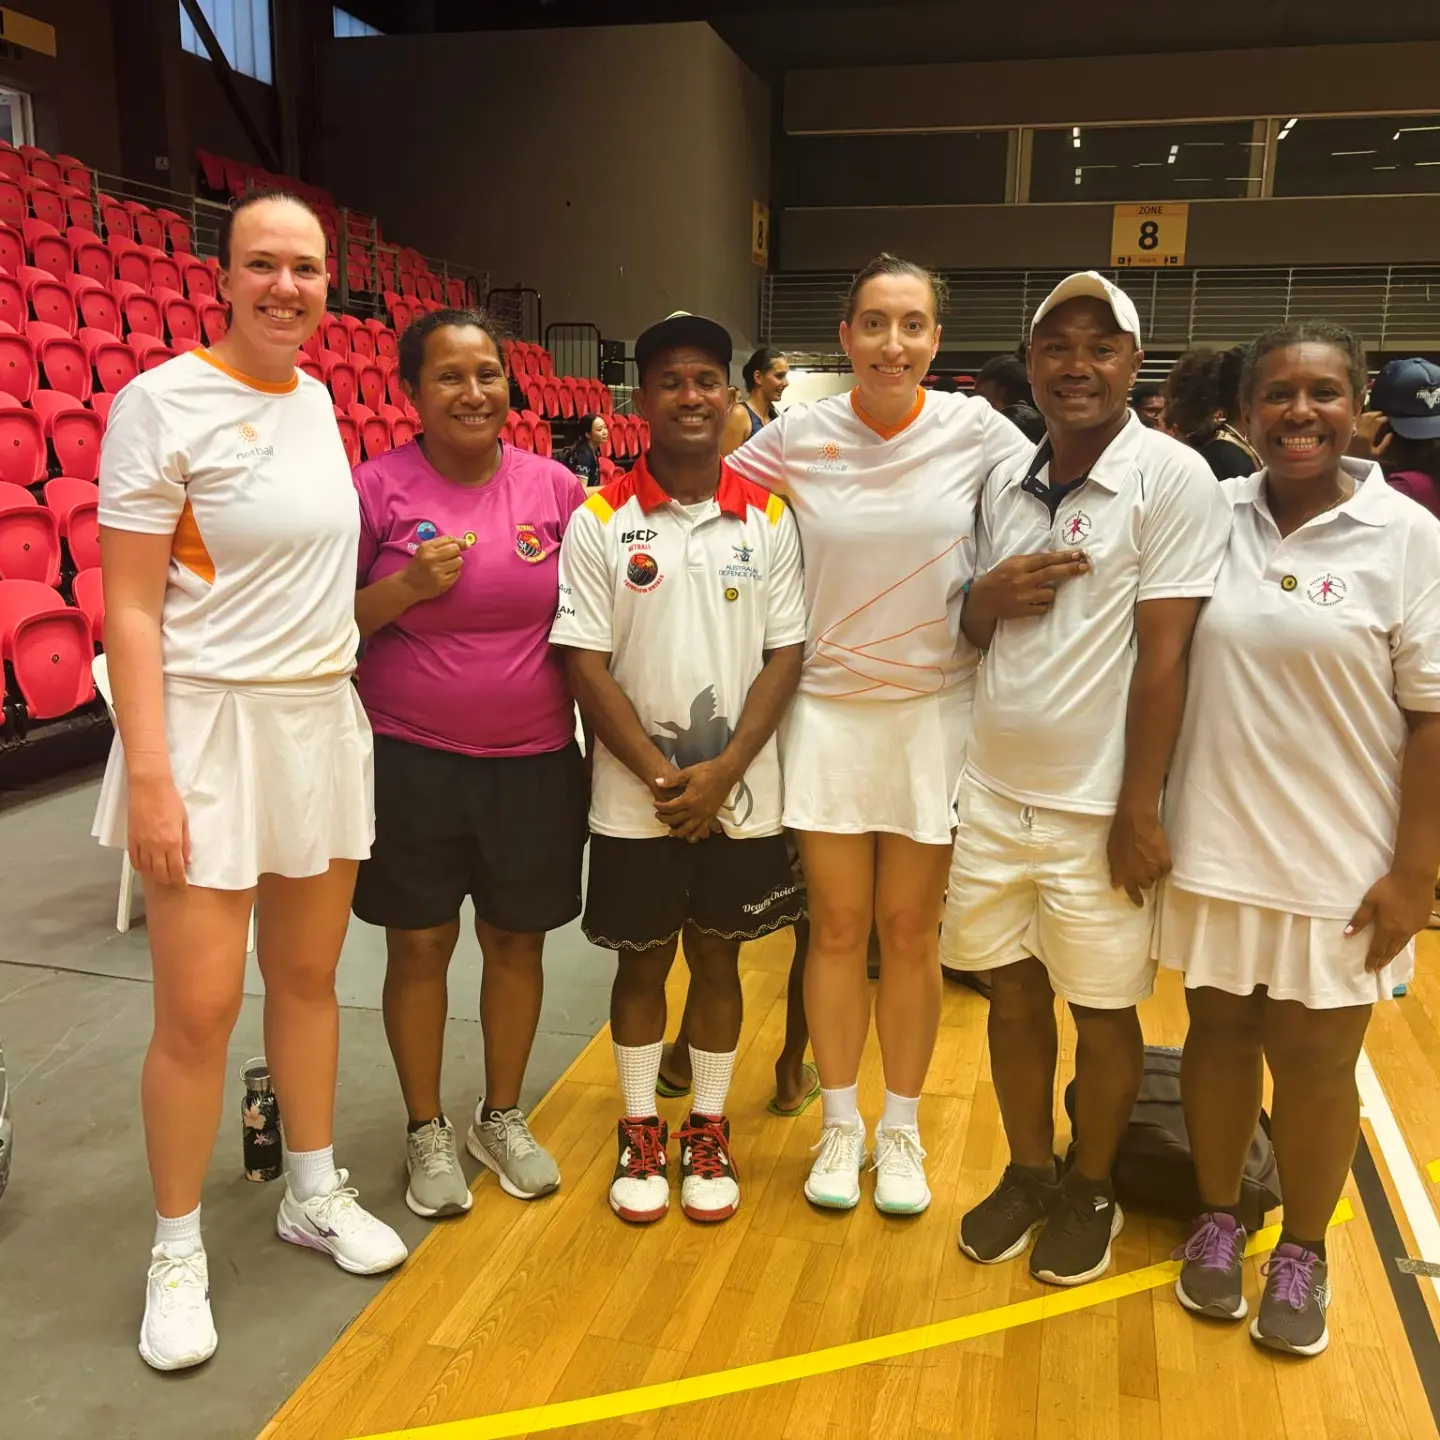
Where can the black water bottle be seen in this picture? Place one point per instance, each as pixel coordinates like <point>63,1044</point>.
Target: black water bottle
<point>260,1123</point>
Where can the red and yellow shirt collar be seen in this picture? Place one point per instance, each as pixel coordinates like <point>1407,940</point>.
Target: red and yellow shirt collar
<point>730,493</point>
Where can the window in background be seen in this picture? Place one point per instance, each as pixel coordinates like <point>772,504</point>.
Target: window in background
<point>351,27</point>
<point>1358,155</point>
<point>15,123</point>
<point>950,168</point>
<point>243,29</point>
<point>1143,162</point>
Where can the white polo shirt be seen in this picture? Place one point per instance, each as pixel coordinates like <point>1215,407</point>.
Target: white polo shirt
<point>250,480</point>
<point>685,600</point>
<point>1285,790</point>
<point>887,518</point>
<point>1049,726</point>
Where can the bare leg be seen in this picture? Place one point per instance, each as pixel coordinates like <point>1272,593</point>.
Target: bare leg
<point>1109,1061</point>
<point>415,1004</point>
<point>1023,1050</point>
<point>716,1001</point>
<point>790,1076</point>
<point>1221,1079</point>
<point>512,987</point>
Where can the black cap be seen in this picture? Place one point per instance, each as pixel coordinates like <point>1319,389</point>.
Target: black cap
<point>1407,394</point>
<point>682,328</point>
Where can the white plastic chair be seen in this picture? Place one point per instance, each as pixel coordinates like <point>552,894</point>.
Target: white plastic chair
<point>100,668</point>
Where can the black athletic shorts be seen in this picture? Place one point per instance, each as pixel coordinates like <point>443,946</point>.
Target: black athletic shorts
<point>507,830</point>
<point>642,892</point>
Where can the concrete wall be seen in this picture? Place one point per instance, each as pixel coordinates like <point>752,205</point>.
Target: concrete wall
<point>611,168</point>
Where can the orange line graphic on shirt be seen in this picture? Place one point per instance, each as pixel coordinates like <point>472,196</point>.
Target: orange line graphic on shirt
<point>833,650</point>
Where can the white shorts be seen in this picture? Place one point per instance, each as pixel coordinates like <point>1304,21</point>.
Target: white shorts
<point>1027,881</point>
<point>276,779</point>
<point>1235,947</point>
<point>853,767</point>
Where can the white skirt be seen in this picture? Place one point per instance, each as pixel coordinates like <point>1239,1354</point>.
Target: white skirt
<point>853,767</point>
<point>1237,948</point>
<point>276,779</point>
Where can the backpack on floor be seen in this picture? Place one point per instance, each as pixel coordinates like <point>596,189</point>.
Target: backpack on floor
<point>1154,1173</point>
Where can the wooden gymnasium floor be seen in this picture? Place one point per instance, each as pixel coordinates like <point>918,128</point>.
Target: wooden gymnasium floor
<point>526,1307</point>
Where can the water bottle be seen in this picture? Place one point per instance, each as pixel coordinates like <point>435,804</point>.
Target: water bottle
<point>260,1123</point>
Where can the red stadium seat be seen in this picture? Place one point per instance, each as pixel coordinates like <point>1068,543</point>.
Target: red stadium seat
<point>149,228</point>
<point>385,340</point>
<point>551,392</point>
<point>544,442</point>
<point>523,437</point>
<point>212,170</point>
<point>12,249</point>
<point>63,363</point>
<point>349,438</point>
<point>29,533</point>
<point>142,314</point>
<point>13,309</point>
<point>100,403</point>
<point>565,392</point>
<point>403,430</point>
<point>64,493</point>
<point>94,304</point>
<point>82,534</point>
<point>149,350</point>
<point>48,248</point>
<point>182,323</point>
<point>362,343</point>
<point>80,210</point>
<point>334,337</point>
<point>12,163</point>
<point>132,264</point>
<point>340,379</point>
<point>114,362</point>
<point>214,322</point>
<point>53,303</point>
<point>90,601</point>
<point>117,220</point>
<point>199,282</point>
<point>164,272</point>
<point>41,164</point>
<point>311,368</point>
<point>77,173</point>
<point>375,437</point>
<point>17,370</point>
<point>177,232</point>
<point>49,647</point>
<point>74,433</point>
<point>91,257</point>
<point>13,208</point>
<point>371,382</point>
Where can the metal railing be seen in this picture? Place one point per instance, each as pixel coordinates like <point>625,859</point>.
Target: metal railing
<point>1388,306</point>
<point>574,345</point>
<point>518,310</point>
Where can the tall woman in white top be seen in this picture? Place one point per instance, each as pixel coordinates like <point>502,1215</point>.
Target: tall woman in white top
<point>229,534</point>
<point>884,483</point>
<point>1304,816</point>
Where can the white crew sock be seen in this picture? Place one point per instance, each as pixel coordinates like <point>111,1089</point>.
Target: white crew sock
<point>638,1067</point>
<point>841,1107</point>
<point>310,1172</point>
<point>180,1230</point>
<point>710,1079</point>
<point>901,1110</point>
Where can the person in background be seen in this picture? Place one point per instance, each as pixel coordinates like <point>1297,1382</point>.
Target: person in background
<point>883,482</point>
<point>1095,554</point>
<point>767,375</point>
<point>682,623</point>
<point>1002,382</point>
<point>480,789</point>
<point>1202,408</point>
<point>241,763</point>
<point>1148,402</point>
<point>1401,429</point>
<point>584,456</point>
<point>1304,818</point>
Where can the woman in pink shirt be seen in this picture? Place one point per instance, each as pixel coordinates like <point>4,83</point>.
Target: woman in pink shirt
<point>480,788</point>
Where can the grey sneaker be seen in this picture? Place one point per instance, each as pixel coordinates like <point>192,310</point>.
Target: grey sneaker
<point>1292,1309</point>
<point>437,1183</point>
<point>1210,1280</point>
<point>502,1142</point>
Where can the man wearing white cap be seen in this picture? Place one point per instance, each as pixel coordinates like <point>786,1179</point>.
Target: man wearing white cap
<point>1094,555</point>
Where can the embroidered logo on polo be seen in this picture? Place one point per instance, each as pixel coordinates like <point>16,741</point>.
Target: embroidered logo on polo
<point>528,545</point>
<point>642,572</point>
<point>1327,589</point>
<point>829,461</point>
<point>425,530</point>
<point>742,568</point>
<point>1076,528</point>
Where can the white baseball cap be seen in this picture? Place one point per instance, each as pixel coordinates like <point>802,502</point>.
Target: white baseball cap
<point>1088,284</point>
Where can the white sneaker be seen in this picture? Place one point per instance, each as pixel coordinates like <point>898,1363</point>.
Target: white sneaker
<point>710,1189</point>
<point>337,1225</point>
<point>177,1330</point>
<point>900,1187</point>
<point>834,1179</point>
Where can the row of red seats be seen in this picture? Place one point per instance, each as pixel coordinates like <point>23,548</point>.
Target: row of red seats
<point>367,433</point>
<point>567,396</point>
<point>75,365</point>
<point>403,313</point>
<point>629,437</point>
<point>82,252</point>
<point>22,160</point>
<point>49,646</point>
<point>119,308</point>
<point>348,336</point>
<point>370,382</point>
<point>58,434</point>
<point>32,532</point>
<point>527,361</point>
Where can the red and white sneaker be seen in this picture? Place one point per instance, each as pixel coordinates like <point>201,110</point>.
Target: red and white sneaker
<point>640,1187</point>
<point>709,1189</point>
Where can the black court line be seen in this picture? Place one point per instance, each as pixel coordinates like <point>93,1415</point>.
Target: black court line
<point>1419,1330</point>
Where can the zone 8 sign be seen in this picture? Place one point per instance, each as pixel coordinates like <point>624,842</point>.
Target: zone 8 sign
<point>1145,236</point>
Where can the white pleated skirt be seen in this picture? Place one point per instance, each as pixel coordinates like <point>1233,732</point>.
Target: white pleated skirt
<point>852,767</point>
<point>1237,948</point>
<point>276,779</point>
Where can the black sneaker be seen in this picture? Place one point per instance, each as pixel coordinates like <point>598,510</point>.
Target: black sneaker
<point>1000,1226</point>
<point>1210,1280</point>
<point>1292,1309</point>
<point>1074,1246</point>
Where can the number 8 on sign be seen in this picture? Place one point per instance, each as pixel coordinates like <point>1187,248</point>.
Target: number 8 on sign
<point>1148,236</point>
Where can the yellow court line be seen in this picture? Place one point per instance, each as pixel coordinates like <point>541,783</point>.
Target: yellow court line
<point>686,1391</point>
<point>1433,1171</point>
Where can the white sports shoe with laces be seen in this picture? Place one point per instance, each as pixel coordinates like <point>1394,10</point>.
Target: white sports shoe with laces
<point>177,1330</point>
<point>834,1179</point>
<point>900,1187</point>
<point>337,1225</point>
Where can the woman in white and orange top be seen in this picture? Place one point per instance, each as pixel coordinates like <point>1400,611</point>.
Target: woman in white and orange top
<point>884,483</point>
<point>229,529</point>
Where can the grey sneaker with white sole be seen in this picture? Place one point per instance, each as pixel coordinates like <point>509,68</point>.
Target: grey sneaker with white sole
<point>437,1183</point>
<point>502,1142</point>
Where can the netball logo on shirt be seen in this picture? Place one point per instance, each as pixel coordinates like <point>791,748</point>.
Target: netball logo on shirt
<point>1076,528</point>
<point>248,436</point>
<point>1326,589</point>
<point>528,545</point>
<point>642,573</point>
<point>829,462</point>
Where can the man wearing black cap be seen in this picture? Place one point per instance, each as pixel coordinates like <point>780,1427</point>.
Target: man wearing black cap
<point>682,617</point>
<point>1401,429</point>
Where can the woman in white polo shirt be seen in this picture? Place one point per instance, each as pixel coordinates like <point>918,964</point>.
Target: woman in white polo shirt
<point>1304,816</point>
<point>884,483</point>
<point>229,529</point>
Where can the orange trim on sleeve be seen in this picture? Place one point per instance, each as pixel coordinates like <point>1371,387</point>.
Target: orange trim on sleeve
<point>188,547</point>
<point>266,387</point>
<point>887,432</point>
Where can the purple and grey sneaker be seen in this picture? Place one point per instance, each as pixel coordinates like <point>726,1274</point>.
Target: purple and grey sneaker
<point>1210,1279</point>
<point>1292,1309</point>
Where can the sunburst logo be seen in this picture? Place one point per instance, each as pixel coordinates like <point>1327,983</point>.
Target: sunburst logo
<point>830,451</point>
<point>248,433</point>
